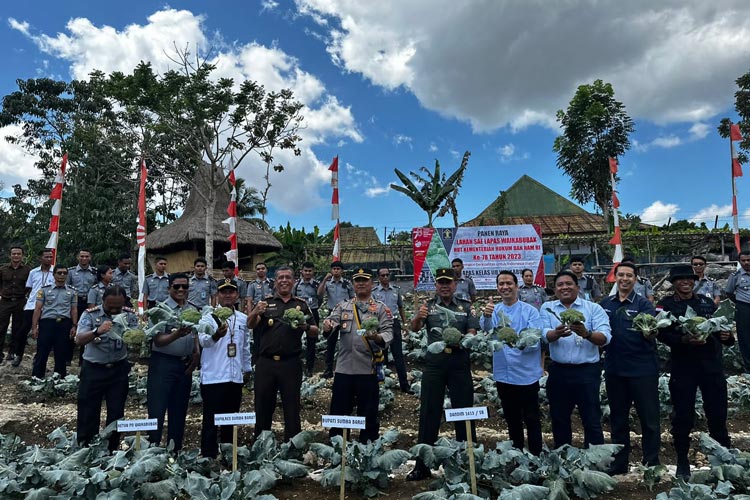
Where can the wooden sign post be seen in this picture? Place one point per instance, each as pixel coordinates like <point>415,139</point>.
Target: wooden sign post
<point>344,422</point>
<point>234,419</point>
<point>468,414</point>
<point>138,426</point>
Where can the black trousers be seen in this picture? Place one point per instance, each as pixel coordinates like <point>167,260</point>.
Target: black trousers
<point>440,371</point>
<point>571,386</point>
<point>683,384</point>
<point>333,339</point>
<point>361,391</point>
<point>218,398</point>
<point>20,338</point>
<point>82,306</point>
<point>101,383</point>
<point>168,389</point>
<point>53,336</point>
<point>643,393</point>
<point>742,317</point>
<point>396,348</point>
<point>521,406</point>
<point>11,313</point>
<point>310,344</point>
<point>283,376</point>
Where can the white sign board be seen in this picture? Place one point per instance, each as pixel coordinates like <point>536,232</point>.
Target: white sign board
<point>148,424</point>
<point>471,413</point>
<point>234,418</point>
<point>343,421</point>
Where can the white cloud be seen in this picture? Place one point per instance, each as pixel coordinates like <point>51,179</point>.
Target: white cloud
<point>16,166</point>
<point>531,56</point>
<point>658,213</point>
<point>400,139</point>
<point>376,191</point>
<point>666,142</point>
<point>699,130</point>
<point>432,148</point>
<point>506,151</point>
<point>266,5</point>
<point>708,214</point>
<point>87,47</point>
<point>362,182</point>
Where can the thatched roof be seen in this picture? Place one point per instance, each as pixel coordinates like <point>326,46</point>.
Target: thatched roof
<point>360,246</point>
<point>189,230</point>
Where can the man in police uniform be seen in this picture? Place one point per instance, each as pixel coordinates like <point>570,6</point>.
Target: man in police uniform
<point>588,288</point>
<point>174,355</point>
<point>530,292</point>
<point>257,290</point>
<point>54,323</point>
<point>738,290</point>
<point>356,381</point>
<point>335,288</point>
<point>451,369</point>
<point>123,277</point>
<point>202,287</point>
<point>705,285</point>
<point>307,288</point>
<point>695,364</point>
<point>105,369</point>
<point>465,288</point>
<point>227,272</point>
<point>156,286</point>
<point>278,366</point>
<point>13,278</point>
<point>82,277</point>
<point>225,364</point>
<point>390,295</point>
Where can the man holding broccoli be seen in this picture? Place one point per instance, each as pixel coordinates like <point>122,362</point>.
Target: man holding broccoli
<point>365,327</point>
<point>696,363</point>
<point>575,329</point>
<point>280,322</point>
<point>450,368</point>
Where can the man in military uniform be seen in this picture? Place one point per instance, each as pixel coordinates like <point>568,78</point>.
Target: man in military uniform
<point>278,366</point>
<point>202,286</point>
<point>335,288</point>
<point>54,323</point>
<point>356,381</point>
<point>307,288</point>
<point>390,295</point>
<point>123,277</point>
<point>695,364</point>
<point>174,355</point>
<point>738,290</point>
<point>465,288</point>
<point>156,285</point>
<point>705,285</point>
<point>588,288</point>
<point>105,369</point>
<point>40,276</point>
<point>227,272</point>
<point>530,292</point>
<point>257,290</point>
<point>225,364</point>
<point>13,278</point>
<point>451,368</point>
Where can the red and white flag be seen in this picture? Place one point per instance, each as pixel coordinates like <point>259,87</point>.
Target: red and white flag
<point>617,237</point>
<point>56,194</point>
<point>140,236</point>
<point>233,253</point>
<point>334,168</point>
<point>735,135</point>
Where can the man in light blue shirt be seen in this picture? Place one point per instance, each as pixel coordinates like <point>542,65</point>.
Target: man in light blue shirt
<point>517,371</point>
<point>575,373</point>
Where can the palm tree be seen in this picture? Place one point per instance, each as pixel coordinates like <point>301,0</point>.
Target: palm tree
<point>436,194</point>
<point>250,204</point>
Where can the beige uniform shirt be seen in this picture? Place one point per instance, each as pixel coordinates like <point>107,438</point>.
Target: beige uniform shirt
<point>355,353</point>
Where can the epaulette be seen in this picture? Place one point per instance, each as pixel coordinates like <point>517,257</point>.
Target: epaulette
<point>92,309</point>
<point>192,304</point>
<point>396,286</point>
<point>462,300</point>
<point>588,276</point>
<point>709,278</point>
<point>128,309</point>
<point>46,286</point>
<point>736,272</point>
<point>72,268</point>
<point>315,283</point>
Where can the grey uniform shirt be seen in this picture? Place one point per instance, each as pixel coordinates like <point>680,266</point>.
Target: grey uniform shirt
<point>391,297</point>
<point>108,350</point>
<point>57,301</point>
<point>201,290</point>
<point>127,280</point>
<point>96,294</point>
<point>532,294</point>
<point>307,290</point>
<point>355,352</point>
<point>156,287</point>
<point>336,291</point>
<point>465,288</point>
<point>183,346</point>
<point>739,284</point>
<point>259,290</point>
<point>81,279</point>
<point>588,288</point>
<point>708,287</point>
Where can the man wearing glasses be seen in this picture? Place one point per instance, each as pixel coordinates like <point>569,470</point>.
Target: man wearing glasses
<point>738,289</point>
<point>390,295</point>
<point>705,285</point>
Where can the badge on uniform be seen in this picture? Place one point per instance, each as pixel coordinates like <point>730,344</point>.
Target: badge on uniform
<point>344,326</point>
<point>231,350</point>
<point>270,321</point>
<point>344,316</point>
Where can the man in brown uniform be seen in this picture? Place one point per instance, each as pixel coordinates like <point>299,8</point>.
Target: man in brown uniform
<point>13,278</point>
<point>279,367</point>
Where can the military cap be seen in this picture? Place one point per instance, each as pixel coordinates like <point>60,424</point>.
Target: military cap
<point>228,284</point>
<point>444,273</point>
<point>361,274</point>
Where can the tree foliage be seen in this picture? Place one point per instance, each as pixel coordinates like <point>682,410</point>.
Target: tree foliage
<point>595,127</point>
<point>435,194</point>
<point>297,247</point>
<point>742,107</point>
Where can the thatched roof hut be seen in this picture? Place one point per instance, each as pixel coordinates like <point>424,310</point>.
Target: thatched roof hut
<point>184,239</point>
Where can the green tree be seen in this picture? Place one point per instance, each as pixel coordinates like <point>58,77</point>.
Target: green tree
<point>435,194</point>
<point>595,128</point>
<point>742,107</point>
<point>250,204</point>
<point>297,246</point>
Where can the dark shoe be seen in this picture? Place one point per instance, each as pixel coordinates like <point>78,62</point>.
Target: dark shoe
<point>406,388</point>
<point>16,360</point>
<point>327,374</point>
<point>683,470</point>
<point>419,473</point>
<point>617,470</point>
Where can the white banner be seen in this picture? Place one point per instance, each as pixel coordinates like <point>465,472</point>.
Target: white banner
<point>343,421</point>
<point>471,413</point>
<point>234,419</point>
<point>136,425</point>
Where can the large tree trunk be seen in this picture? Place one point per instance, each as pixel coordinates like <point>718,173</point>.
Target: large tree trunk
<point>209,239</point>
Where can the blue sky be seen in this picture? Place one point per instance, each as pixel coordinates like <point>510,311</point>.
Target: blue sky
<point>396,84</point>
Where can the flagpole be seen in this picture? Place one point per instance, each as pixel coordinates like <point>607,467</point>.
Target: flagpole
<point>233,253</point>
<point>617,237</point>
<point>140,236</point>
<point>334,168</point>
<point>54,223</point>
<point>735,135</point>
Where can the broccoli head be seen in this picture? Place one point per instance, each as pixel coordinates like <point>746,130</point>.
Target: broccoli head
<point>134,338</point>
<point>371,325</point>
<point>224,313</point>
<point>570,316</point>
<point>191,316</point>
<point>294,317</point>
<point>506,335</point>
<point>451,336</point>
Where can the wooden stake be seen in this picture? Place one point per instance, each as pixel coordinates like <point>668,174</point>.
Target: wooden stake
<point>137,440</point>
<point>234,448</point>
<point>343,466</point>
<point>470,451</point>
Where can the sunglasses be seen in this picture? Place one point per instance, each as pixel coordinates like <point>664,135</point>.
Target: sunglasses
<point>180,286</point>
<point>384,275</point>
<point>61,273</point>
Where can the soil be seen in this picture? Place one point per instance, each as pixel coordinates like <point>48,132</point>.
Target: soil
<point>33,416</point>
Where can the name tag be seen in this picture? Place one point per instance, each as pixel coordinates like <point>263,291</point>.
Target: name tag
<point>471,413</point>
<point>234,418</point>
<point>148,424</point>
<point>343,421</point>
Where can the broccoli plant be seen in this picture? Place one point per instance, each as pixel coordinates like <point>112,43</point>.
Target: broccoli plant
<point>294,317</point>
<point>53,386</point>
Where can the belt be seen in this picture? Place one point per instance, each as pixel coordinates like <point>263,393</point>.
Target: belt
<point>107,365</point>
<point>189,357</point>
<point>279,357</point>
<point>56,320</point>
